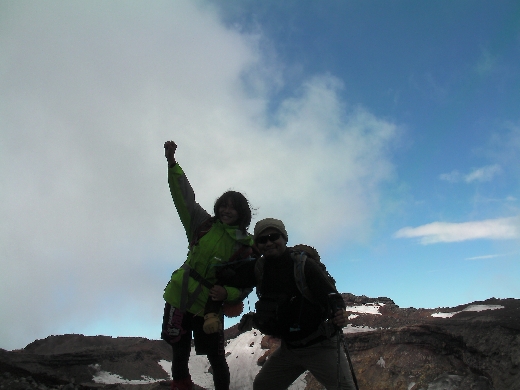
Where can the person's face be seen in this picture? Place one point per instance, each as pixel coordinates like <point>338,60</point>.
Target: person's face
<point>227,213</point>
<point>271,243</point>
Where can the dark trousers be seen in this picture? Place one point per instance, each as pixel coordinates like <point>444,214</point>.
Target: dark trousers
<point>285,365</point>
<point>211,345</point>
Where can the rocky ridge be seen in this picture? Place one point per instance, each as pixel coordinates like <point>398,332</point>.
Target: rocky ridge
<point>474,346</point>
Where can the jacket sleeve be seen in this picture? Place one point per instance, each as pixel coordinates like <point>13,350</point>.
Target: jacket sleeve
<point>236,295</point>
<point>240,275</point>
<point>190,212</point>
<point>319,283</point>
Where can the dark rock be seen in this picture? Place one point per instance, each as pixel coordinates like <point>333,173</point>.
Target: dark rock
<point>470,350</point>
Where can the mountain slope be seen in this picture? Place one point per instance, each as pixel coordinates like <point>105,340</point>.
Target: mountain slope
<point>474,346</point>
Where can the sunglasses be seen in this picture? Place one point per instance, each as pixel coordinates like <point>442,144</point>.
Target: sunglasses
<point>271,237</point>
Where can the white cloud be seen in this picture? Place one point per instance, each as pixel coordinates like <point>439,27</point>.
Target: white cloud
<point>486,173</point>
<point>90,92</point>
<point>484,257</point>
<point>453,176</point>
<point>483,174</point>
<point>494,229</point>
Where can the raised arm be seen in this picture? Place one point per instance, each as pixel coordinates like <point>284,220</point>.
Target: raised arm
<point>190,212</point>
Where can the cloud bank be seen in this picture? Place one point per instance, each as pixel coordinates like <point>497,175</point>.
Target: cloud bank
<point>90,92</point>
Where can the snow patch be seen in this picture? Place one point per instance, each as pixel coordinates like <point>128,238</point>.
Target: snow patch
<point>357,329</point>
<point>370,308</point>
<point>242,355</point>
<point>199,370</point>
<point>483,307</point>
<point>244,352</point>
<point>469,308</point>
<point>445,315</point>
<point>107,378</point>
<point>166,366</point>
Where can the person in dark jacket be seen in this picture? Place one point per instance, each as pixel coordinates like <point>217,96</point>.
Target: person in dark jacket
<point>213,240</point>
<point>307,324</point>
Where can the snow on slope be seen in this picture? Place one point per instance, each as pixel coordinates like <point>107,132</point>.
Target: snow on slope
<point>357,329</point>
<point>242,353</point>
<point>369,308</point>
<point>469,308</point>
<point>108,378</point>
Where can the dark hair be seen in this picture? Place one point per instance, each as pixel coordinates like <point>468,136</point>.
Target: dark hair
<point>240,204</point>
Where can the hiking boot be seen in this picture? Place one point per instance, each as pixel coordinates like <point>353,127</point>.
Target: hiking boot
<point>183,384</point>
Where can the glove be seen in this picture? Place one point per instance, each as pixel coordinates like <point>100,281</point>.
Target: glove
<point>212,323</point>
<point>169,152</point>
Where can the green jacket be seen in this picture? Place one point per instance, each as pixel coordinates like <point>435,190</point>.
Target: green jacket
<point>213,249</point>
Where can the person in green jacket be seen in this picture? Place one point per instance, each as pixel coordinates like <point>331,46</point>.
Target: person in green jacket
<point>213,241</point>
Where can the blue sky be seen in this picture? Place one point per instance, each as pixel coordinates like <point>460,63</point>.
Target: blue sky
<point>385,134</point>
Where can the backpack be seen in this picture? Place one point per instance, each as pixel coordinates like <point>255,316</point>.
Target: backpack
<point>300,254</point>
<point>271,310</point>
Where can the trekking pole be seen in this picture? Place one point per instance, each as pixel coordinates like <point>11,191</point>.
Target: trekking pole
<point>333,299</point>
<point>343,338</point>
<point>339,359</point>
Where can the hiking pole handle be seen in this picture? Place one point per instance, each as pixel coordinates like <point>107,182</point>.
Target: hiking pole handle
<point>335,304</point>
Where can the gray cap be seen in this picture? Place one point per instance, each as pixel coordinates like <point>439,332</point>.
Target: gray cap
<point>267,223</point>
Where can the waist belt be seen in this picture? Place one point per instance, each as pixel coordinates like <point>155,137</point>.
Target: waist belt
<point>326,329</point>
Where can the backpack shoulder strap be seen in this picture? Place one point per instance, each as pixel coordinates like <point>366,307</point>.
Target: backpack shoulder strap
<point>259,273</point>
<point>201,230</point>
<point>300,258</point>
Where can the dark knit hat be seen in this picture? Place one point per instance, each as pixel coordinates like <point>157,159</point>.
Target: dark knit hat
<point>267,223</point>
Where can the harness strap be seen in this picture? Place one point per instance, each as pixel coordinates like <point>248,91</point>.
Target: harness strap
<point>198,277</point>
<point>194,296</point>
<point>185,279</point>
<point>187,300</point>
